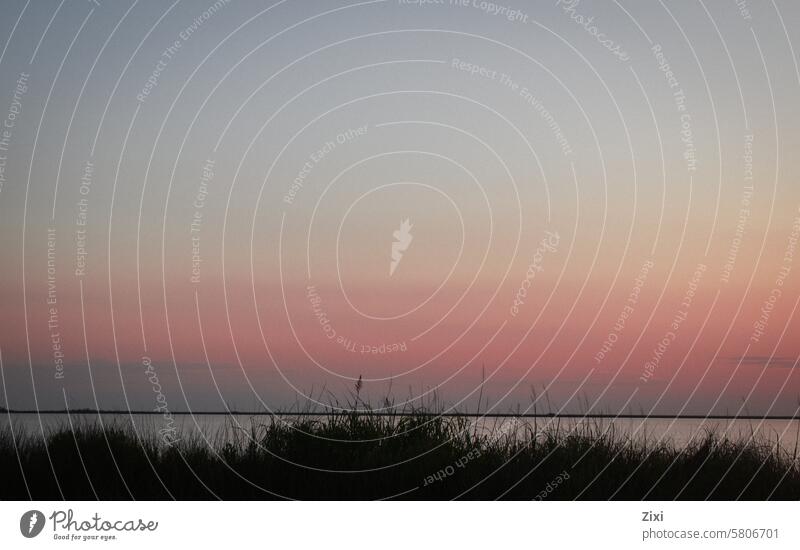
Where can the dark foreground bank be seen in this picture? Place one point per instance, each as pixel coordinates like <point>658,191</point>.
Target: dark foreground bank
<point>359,455</point>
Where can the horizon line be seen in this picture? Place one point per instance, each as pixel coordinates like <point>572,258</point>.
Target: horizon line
<point>419,413</point>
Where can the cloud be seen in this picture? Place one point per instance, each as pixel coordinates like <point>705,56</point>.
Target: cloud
<point>784,361</point>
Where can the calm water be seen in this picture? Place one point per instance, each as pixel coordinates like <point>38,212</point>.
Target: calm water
<point>218,428</point>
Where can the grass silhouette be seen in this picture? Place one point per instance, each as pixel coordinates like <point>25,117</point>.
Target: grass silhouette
<point>410,453</point>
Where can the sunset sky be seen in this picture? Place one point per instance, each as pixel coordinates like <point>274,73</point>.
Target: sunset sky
<point>604,211</point>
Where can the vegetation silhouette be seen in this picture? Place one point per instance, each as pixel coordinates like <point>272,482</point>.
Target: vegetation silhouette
<point>355,452</point>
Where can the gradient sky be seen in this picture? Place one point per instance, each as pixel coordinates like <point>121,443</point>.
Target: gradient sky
<point>645,198</point>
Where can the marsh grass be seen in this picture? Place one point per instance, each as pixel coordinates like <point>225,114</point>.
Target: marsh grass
<point>410,453</point>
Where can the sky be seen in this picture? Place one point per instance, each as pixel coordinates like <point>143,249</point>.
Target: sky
<point>569,205</point>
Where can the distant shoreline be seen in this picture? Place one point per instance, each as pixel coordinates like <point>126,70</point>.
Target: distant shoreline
<point>428,414</point>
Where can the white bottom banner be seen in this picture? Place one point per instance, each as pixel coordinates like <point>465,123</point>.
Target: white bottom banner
<point>401,525</point>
